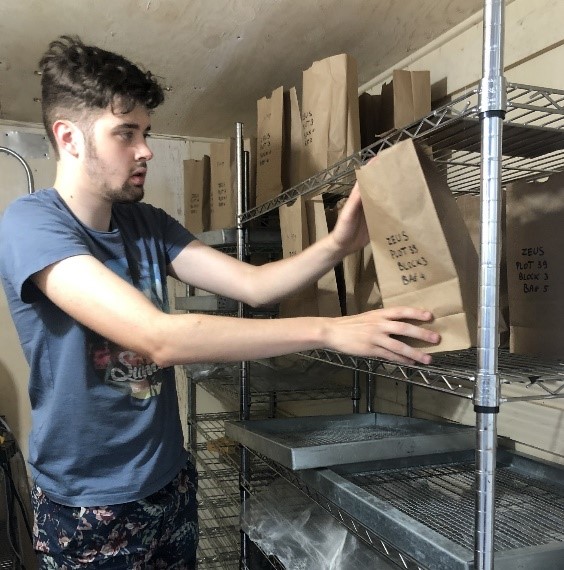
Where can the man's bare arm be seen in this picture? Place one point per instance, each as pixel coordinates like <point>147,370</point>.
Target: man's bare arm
<point>99,299</point>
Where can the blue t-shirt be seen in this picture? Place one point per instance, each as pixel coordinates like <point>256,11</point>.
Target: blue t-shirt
<point>105,420</point>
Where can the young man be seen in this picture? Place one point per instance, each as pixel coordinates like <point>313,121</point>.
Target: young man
<point>84,267</point>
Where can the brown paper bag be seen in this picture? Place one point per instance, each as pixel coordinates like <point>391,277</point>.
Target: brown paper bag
<point>535,272</point>
<point>293,140</point>
<point>356,276</point>
<point>361,284</point>
<point>405,99</point>
<point>366,290</point>
<point>223,187</point>
<point>469,206</point>
<point>197,194</point>
<point>369,109</point>
<point>270,112</point>
<point>423,252</point>
<point>223,193</point>
<point>251,149</point>
<point>329,112</point>
<point>327,289</point>
<point>295,238</point>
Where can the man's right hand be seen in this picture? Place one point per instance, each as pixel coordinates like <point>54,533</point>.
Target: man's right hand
<point>373,334</point>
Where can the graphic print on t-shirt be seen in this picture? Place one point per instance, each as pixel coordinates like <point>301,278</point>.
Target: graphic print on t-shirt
<point>119,367</point>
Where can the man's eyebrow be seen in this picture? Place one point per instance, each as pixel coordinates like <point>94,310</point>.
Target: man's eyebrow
<point>134,126</point>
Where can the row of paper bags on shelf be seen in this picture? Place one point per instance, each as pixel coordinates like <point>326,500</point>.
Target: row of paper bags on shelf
<point>423,252</point>
<point>297,139</point>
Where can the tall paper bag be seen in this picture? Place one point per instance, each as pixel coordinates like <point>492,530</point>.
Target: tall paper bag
<point>422,249</point>
<point>535,271</point>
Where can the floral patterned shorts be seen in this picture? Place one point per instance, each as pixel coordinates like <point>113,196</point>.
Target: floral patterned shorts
<point>160,531</point>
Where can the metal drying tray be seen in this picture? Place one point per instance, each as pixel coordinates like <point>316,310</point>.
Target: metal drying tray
<point>321,441</point>
<point>425,506</point>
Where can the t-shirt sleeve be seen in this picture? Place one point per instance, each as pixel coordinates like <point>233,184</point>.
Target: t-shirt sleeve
<point>177,237</point>
<point>32,237</point>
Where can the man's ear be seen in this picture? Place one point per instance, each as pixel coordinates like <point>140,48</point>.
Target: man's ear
<point>69,137</point>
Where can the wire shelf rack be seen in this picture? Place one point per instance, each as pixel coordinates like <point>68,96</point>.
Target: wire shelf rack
<point>218,548</point>
<point>259,241</point>
<point>217,305</point>
<point>442,498</point>
<point>438,496</point>
<point>533,149</point>
<point>533,145</point>
<point>212,425</point>
<point>218,507</point>
<point>225,390</point>
<point>455,373</point>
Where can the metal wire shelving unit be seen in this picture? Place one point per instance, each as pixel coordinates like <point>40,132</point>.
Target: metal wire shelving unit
<point>218,495</point>
<point>218,463</point>
<point>439,496</point>
<point>218,506</point>
<point>218,492</point>
<point>455,373</point>
<point>533,145</point>
<point>224,390</point>
<point>487,137</point>
<point>219,467</point>
<point>259,242</point>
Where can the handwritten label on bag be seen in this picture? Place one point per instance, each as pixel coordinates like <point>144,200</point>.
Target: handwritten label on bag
<point>408,259</point>
<point>265,149</point>
<point>532,270</point>
<point>308,127</point>
<point>194,203</point>
<point>221,194</point>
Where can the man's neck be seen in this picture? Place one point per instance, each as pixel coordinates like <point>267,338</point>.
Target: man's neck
<point>86,205</point>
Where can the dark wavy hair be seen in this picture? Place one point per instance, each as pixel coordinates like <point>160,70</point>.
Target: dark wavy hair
<point>77,78</point>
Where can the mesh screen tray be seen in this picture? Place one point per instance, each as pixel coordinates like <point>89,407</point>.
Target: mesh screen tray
<point>322,441</point>
<point>424,506</point>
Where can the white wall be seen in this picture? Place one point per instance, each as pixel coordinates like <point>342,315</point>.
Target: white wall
<point>533,42</point>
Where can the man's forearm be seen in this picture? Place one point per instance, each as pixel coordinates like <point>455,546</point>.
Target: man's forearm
<point>184,339</point>
<point>177,339</point>
<point>280,279</point>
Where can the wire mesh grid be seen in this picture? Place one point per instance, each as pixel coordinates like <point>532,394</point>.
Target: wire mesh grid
<point>219,541</point>
<point>217,503</point>
<point>340,433</point>
<point>455,372</point>
<point>212,426</point>
<point>533,139</point>
<point>226,389</point>
<point>218,507</point>
<point>213,466</point>
<point>529,512</point>
<point>220,550</point>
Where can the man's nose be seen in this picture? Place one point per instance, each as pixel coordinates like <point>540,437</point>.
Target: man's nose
<point>144,152</point>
